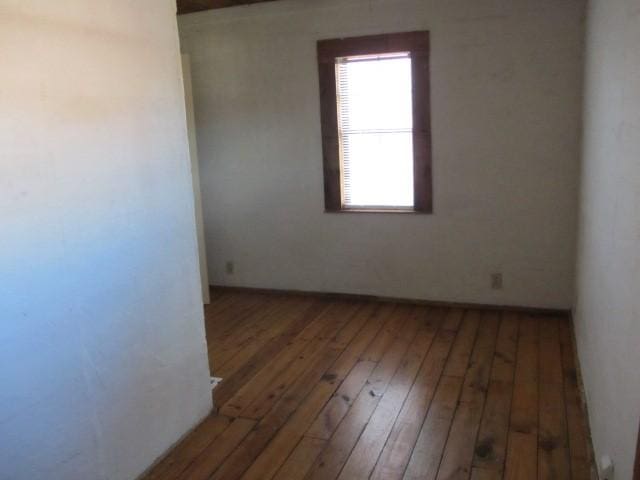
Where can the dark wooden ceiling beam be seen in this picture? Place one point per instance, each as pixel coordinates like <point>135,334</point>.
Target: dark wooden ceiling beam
<point>189,6</point>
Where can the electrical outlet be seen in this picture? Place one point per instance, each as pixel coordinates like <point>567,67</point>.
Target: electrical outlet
<point>230,268</point>
<point>496,281</point>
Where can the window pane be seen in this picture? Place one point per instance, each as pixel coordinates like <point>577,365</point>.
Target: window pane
<point>376,94</point>
<point>375,113</point>
<point>380,170</point>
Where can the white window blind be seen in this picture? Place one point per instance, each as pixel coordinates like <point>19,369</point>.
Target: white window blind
<point>375,124</point>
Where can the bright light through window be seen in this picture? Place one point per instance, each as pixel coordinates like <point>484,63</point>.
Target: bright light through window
<point>375,129</point>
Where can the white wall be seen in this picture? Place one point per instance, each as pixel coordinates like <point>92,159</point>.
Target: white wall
<point>607,313</point>
<point>102,352</point>
<point>506,95</point>
<point>195,177</point>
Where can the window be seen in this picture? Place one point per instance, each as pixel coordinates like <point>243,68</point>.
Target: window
<point>374,96</point>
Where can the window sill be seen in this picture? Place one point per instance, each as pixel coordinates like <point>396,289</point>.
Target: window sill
<point>402,211</point>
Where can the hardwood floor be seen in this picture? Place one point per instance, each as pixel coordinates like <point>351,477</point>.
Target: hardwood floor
<point>336,389</point>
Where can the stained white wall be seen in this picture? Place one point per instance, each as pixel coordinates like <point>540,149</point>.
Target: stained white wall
<point>102,352</point>
<point>607,313</point>
<point>506,106</point>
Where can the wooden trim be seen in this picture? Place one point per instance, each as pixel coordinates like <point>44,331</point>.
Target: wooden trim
<point>393,211</point>
<point>417,44</point>
<point>414,42</point>
<point>330,139</point>
<point>190,6</point>
<point>422,176</point>
<point>383,299</point>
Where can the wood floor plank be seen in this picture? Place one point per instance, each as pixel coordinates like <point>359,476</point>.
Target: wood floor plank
<point>550,355</point>
<point>218,303</point>
<point>221,301</point>
<point>522,442</point>
<point>330,462</point>
<point>233,321</point>
<point>287,320</point>
<point>186,451</point>
<point>452,319</point>
<point>524,413</point>
<point>212,457</point>
<point>340,403</point>
<point>276,323</point>
<point>365,454</point>
<point>361,389</point>
<point>334,411</point>
<point>521,457</point>
<point>217,335</point>
<point>459,357</point>
<point>506,347</point>
<point>258,325</point>
<point>553,445</point>
<point>274,372</point>
<point>491,445</point>
<point>298,464</point>
<point>427,452</point>
<point>485,474</point>
<point>375,319</point>
<point>397,451</point>
<point>266,429</point>
<point>553,442</point>
<point>288,437</point>
<point>459,450</point>
<point>298,364</point>
<point>275,454</point>
<point>246,453</point>
<point>229,319</point>
<point>397,315</point>
<point>222,362</point>
<point>302,317</point>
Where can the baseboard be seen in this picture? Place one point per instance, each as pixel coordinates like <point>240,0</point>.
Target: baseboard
<point>376,298</point>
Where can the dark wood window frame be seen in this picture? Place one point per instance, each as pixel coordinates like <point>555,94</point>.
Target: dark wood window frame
<point>417,44</point>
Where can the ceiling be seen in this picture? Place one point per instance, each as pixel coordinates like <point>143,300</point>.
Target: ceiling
<point>188,6</point>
